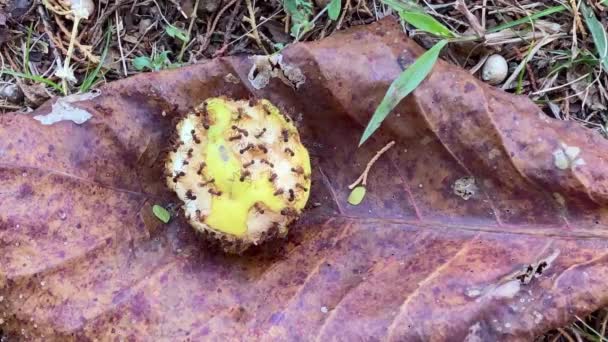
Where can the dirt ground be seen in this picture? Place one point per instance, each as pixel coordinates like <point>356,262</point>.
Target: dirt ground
<point>54,47</point>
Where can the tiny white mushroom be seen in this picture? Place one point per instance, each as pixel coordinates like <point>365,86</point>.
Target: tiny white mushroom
<point>495,70</point>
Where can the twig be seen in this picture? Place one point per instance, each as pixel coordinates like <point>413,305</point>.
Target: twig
<point>122,55</point>
<point>47,30</point>
<point>604,322</point>
<point>546,40</point>
<point>260,24</point>
<point>346,8</point>
<point>254,26</point>
<point>471,18</point>
<point>85,51</point>
<point>106,14</point>
<point>483,14</point>
<point>66,61</point>
<point>210,29</point>
<point>192,19</point>
<point>230,25</point>
<point>565,334</point>
<point>363,178</point>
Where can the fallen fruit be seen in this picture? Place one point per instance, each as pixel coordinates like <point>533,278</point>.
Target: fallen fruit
<point>240,170</point>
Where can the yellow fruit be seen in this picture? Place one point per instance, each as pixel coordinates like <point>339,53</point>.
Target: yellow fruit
<point>241,171</point>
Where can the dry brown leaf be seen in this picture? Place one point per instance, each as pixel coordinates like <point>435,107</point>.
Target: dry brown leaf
<point>486,220</point>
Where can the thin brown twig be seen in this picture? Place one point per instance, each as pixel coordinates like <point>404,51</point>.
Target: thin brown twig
<point>106,14</point>
<point>565,335</point>
<point>122,54</point>
<point>47,29</point>
<point>604,323</point>
<point>192,19</point>
<point>254,26</point>
<point>230,25</point>
<point>344,11</point>
<point>461,6</point>
<point>82,48</point>
<point>210,29</point>
<point>363,178</point>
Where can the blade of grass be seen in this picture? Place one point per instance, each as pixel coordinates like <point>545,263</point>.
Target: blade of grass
<point>425,22</point>
<point>403,5</point>
<point>90,78</point>
<point>34,78</point>
<point>415,16</point>
<point>26,57</point>
<point>407,81</point>
<point>528,19</point>
<point>598,32</point>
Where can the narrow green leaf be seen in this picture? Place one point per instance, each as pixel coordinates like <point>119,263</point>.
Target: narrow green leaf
<point>161,213</point>
<point>425,22</point>
<point>403,5</point>
<point>142,62</point>
<point>90,79</point>
<point>333,9</point>
<point>178,33</point>
<point>34,78</point>
<point>598,32</point>
<point>356,196</point>
<point>528,19</point>
<point>407,81</point>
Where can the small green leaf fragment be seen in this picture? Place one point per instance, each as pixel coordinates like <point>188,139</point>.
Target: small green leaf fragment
<point>176,32</point>
<point>142,62</point>
<point>161,213</point>
<point>401,87</point>
<point>333,9</point>
<point>356,196</point>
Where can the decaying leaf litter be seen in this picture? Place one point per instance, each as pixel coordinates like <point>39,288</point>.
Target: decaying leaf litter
<point>562,76</point>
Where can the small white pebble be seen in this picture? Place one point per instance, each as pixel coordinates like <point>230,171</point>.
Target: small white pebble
<point>495,70</point>
<point>324,309</point>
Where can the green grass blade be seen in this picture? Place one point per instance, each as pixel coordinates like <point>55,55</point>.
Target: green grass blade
<point>598,32</point>
<point>28,48</point>
<point>407,81</point>
<point>406,5</point>
<point>34,78</point>
<point>415,16</point>
<point>142,62</point>
<point>528,19</point>
<point>333,9</point>
<point>90,78</point>
<point>425,22</point>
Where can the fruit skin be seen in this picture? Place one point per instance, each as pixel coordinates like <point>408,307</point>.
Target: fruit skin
<point>241,171</point>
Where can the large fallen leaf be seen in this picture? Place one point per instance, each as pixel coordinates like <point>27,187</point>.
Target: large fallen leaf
<point>485,221</point>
